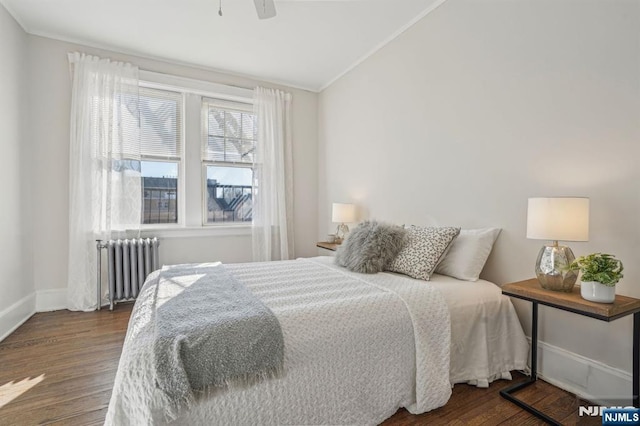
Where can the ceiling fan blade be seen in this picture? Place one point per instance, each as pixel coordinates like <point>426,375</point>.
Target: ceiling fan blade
<point>265,8</point>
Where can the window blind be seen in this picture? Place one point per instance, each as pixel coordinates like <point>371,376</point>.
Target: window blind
<point>116,113</point>
<point>160,124</point>
<point>229,131</point>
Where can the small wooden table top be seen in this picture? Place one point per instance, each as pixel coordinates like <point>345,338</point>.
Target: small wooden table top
<point>328,246</point>
<point>572,301</point>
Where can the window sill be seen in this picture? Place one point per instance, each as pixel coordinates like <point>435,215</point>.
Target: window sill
<point>194,231</point>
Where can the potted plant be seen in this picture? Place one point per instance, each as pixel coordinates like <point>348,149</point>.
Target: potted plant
<point>600,274</point>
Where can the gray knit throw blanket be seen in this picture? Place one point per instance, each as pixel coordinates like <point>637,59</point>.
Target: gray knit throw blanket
<point>210,330</point>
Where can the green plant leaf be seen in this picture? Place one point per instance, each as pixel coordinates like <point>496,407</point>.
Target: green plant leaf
<point>601,267</point>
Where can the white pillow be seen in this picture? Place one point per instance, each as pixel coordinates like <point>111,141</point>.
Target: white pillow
<point>468,254</point>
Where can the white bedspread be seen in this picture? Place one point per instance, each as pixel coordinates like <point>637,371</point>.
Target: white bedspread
<point>357,347</point>
<point>487,340</point>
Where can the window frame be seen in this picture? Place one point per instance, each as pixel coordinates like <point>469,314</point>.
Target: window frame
<point>180,187</point>
<point>191,217</point>
<point>231,105</point>
<point>205,205</point>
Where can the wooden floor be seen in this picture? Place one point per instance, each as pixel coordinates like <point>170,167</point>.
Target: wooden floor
<point>59,367</point>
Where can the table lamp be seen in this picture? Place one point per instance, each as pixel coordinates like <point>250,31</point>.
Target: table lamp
<point>554,219</point>
<point>342,213</point>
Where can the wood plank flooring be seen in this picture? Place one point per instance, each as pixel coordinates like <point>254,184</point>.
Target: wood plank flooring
<point>59,368</point>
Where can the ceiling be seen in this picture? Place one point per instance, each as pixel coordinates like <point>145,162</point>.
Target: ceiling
<point>308,45</point>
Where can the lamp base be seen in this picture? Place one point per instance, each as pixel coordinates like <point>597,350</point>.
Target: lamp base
<point>341,232</point>
<point>552,268</point>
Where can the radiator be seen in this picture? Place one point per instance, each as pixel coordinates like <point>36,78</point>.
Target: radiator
<point>128,264</point>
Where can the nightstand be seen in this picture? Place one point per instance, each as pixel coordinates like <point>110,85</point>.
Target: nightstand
<point>531,291</point>
<point>327,246</point>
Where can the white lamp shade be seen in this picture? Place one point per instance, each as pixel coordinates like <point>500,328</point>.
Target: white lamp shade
<point>558,219</point>
<point>343,213</point>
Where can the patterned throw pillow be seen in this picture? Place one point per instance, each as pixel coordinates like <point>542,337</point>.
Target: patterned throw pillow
<point>425,248</point>
<point>370,247</point>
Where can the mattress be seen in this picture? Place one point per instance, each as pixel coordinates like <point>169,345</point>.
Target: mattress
<point>357,347</point>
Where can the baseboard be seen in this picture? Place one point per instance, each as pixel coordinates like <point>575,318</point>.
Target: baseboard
<point>585,377</point>
<point>15,315</point>
<point>51,300</point>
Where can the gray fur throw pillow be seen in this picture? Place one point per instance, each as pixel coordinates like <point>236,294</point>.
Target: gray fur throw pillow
<point>371,247</point>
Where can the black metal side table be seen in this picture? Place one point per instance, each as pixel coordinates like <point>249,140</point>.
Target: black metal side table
<point>531,291</point>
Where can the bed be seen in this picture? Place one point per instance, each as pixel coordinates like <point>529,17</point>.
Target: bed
<point>357,348</point>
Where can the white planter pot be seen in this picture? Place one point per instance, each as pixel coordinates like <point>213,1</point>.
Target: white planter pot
<point>596,292</point>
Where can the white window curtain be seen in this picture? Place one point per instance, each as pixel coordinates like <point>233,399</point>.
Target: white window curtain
<point>104,170</point>
<point>273,183</point>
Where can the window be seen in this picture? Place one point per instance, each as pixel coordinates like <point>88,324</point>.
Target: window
<point>188,183</point>
<point>228,149</point>
<point>161,151</point>
<point>159,192</point>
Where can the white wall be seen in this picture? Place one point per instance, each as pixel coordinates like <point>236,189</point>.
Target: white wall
<point>50,106</point>
<point>16,280</point>
<point>483,104</point>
